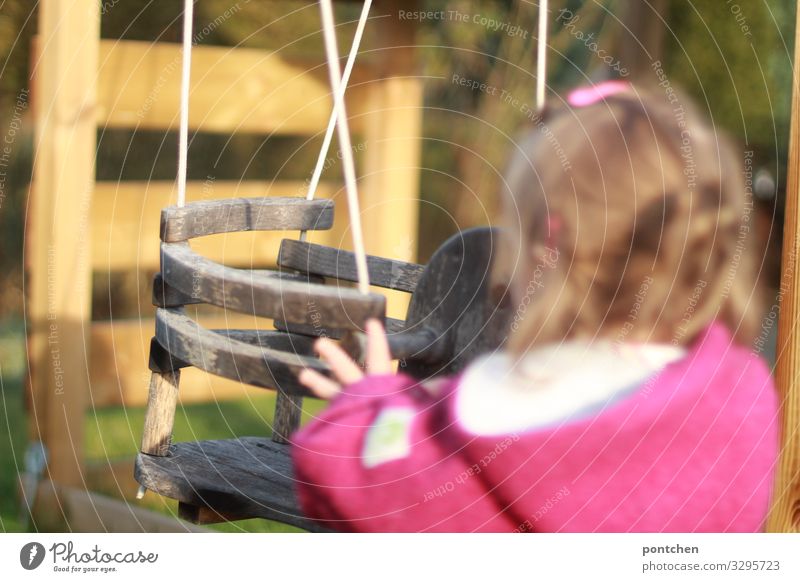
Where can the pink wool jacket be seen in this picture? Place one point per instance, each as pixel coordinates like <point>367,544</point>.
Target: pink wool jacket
<point>693,450</point>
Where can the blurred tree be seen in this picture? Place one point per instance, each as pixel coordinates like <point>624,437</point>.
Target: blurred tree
<point>472,131</point>
<point>732,57</point>
<point>17,26</point>
<point>735,59</point>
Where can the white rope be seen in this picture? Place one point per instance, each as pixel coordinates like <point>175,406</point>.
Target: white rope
<point>348,70</point>
<point>326,142</point>
<point>340,110</point>
<point>183,138</point>
<point>541,56</point>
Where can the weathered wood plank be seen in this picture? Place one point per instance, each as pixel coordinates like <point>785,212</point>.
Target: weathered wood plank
<point>206,217</point>
<point>165,295</point>
<point>159,419</point>
<point>249,477</point>
<point>274,340</point>
<point>320,330</point>
<point>162,362</point>
<point>230,358</point>
<point>246,292</point>
<point>315,330</point>
<point>341,264</point>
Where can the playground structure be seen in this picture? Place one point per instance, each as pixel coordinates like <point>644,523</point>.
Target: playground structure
<point>66,468</point>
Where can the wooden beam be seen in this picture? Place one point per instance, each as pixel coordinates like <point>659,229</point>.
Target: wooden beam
<point>59,269</point>
<point>785,511</point>
<point>640,36</point>
<point>125,223</point>
<point>233,89</point>
<point>81,511</point>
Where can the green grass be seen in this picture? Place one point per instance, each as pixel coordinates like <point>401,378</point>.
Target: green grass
<point>12,423</point>
<point>113,434</point>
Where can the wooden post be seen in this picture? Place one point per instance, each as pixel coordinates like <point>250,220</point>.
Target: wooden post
<point>58,259</point>
<point>641,36</point>
<point>392,146</point>
<point>785,513</point>
<point>160,416</point>
<point>288,410</point>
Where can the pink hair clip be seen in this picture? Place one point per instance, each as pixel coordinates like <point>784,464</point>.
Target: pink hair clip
<point>590,95</point>
<point>553,230</point>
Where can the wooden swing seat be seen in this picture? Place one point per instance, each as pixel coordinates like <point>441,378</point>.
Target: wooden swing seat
<point>226,480</point>
<point>450,321</point>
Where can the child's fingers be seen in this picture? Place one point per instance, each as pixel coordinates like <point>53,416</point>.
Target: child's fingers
<point>342,365</point>
<point>323,387</point>
<point>379,359</point>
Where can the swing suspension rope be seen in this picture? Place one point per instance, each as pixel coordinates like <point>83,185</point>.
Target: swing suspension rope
<point>186,68</point>
<point>342,125</point>
<point>541,56</point>
<point>348,70</point>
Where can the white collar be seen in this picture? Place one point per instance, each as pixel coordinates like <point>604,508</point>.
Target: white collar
<point>499,395</point>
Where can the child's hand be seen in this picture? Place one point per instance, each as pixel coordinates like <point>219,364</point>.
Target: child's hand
<point>345,370</point>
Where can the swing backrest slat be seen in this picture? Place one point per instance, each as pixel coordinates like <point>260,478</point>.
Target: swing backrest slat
<point>248,292</point>
<point>196,219</point>
<point>340,264</point>
<point>253,357</point>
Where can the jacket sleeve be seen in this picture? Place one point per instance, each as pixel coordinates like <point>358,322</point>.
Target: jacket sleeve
<point>378,459</point>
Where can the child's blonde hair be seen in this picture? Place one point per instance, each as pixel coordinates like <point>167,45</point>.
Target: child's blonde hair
<point>629,219</point>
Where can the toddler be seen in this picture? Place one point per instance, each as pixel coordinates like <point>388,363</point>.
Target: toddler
<point>626,398</point>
